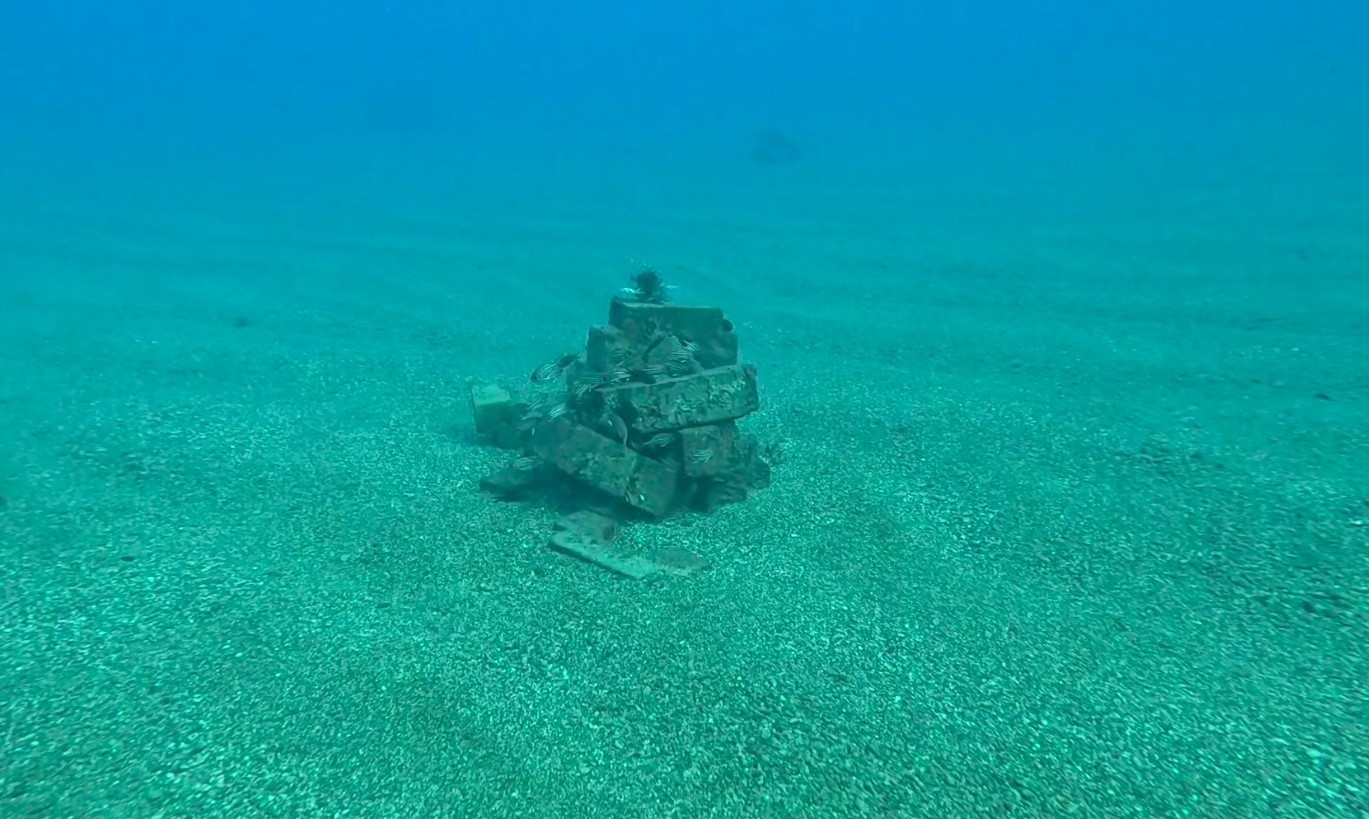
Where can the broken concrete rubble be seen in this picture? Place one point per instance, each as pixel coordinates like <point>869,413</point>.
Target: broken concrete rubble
<point>644,422</point>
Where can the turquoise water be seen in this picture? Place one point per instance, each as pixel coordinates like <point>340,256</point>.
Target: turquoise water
<point>1059,317</point>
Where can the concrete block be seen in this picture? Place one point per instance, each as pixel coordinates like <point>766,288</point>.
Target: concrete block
<point>588,535</point>
<point>709,450</point>
<point>608,466</point>
<point>718,350</point>
<point>496,414</point>
<point>593,550</point>
<point>720,394</point>
<point>645,319</point>
<point>641,325</point>
<point>608,348</point>
<point>492,406</point>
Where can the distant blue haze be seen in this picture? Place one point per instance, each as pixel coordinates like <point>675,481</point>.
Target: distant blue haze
<point>428,91</point>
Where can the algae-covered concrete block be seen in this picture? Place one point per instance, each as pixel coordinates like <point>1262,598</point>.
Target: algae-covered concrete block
<point>607,465</point>
<point>708,397</point>
<point>696,324</point>
<point>496,415</point>
<point>493,407</point>
<point>608,348</point>
<point>718,350</point>
<point>709,450</point>
<point>641,335</point>
<point>587,534</point>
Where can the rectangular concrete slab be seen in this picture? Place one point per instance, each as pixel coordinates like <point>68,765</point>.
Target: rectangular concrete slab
<point>720,394</point>
<point>607,465</point>
<point>593,550</point>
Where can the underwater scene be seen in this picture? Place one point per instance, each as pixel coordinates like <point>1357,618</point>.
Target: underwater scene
<point>712,409</point>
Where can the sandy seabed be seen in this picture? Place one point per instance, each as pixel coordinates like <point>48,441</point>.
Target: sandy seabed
<point>1073,517</point>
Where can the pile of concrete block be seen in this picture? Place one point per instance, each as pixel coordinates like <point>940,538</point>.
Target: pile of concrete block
<point>642,424</point>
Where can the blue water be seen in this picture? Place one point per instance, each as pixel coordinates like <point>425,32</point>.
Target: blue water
<point>1060,313</point>
<point>551,95</point>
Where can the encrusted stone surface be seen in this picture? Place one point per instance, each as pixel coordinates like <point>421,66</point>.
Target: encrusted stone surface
<point>496,415</point>
<point>695,324</point>
<point>608,348</point>
<point>709,450</point>
<point>607,465</point>
<point>706,328</point>
<point>491,406</point>
<point>708,397</point>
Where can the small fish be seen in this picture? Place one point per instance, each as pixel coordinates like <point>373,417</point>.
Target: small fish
<point>613,423</point>
<point>660,440</point>
<point>557,411</point>
<point>681,366</point>
<point>655,371</point>
<point>528,423</point>
<point>689,347</point>
<point>679,354</point>
<point>546,372</point>
<point>701,456</point>
<point>620,375</point>
<point>582,387</point>
<point>533,416</point>
<point>718,352</point>
<point>552,370</point>
<point>527,463</point>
